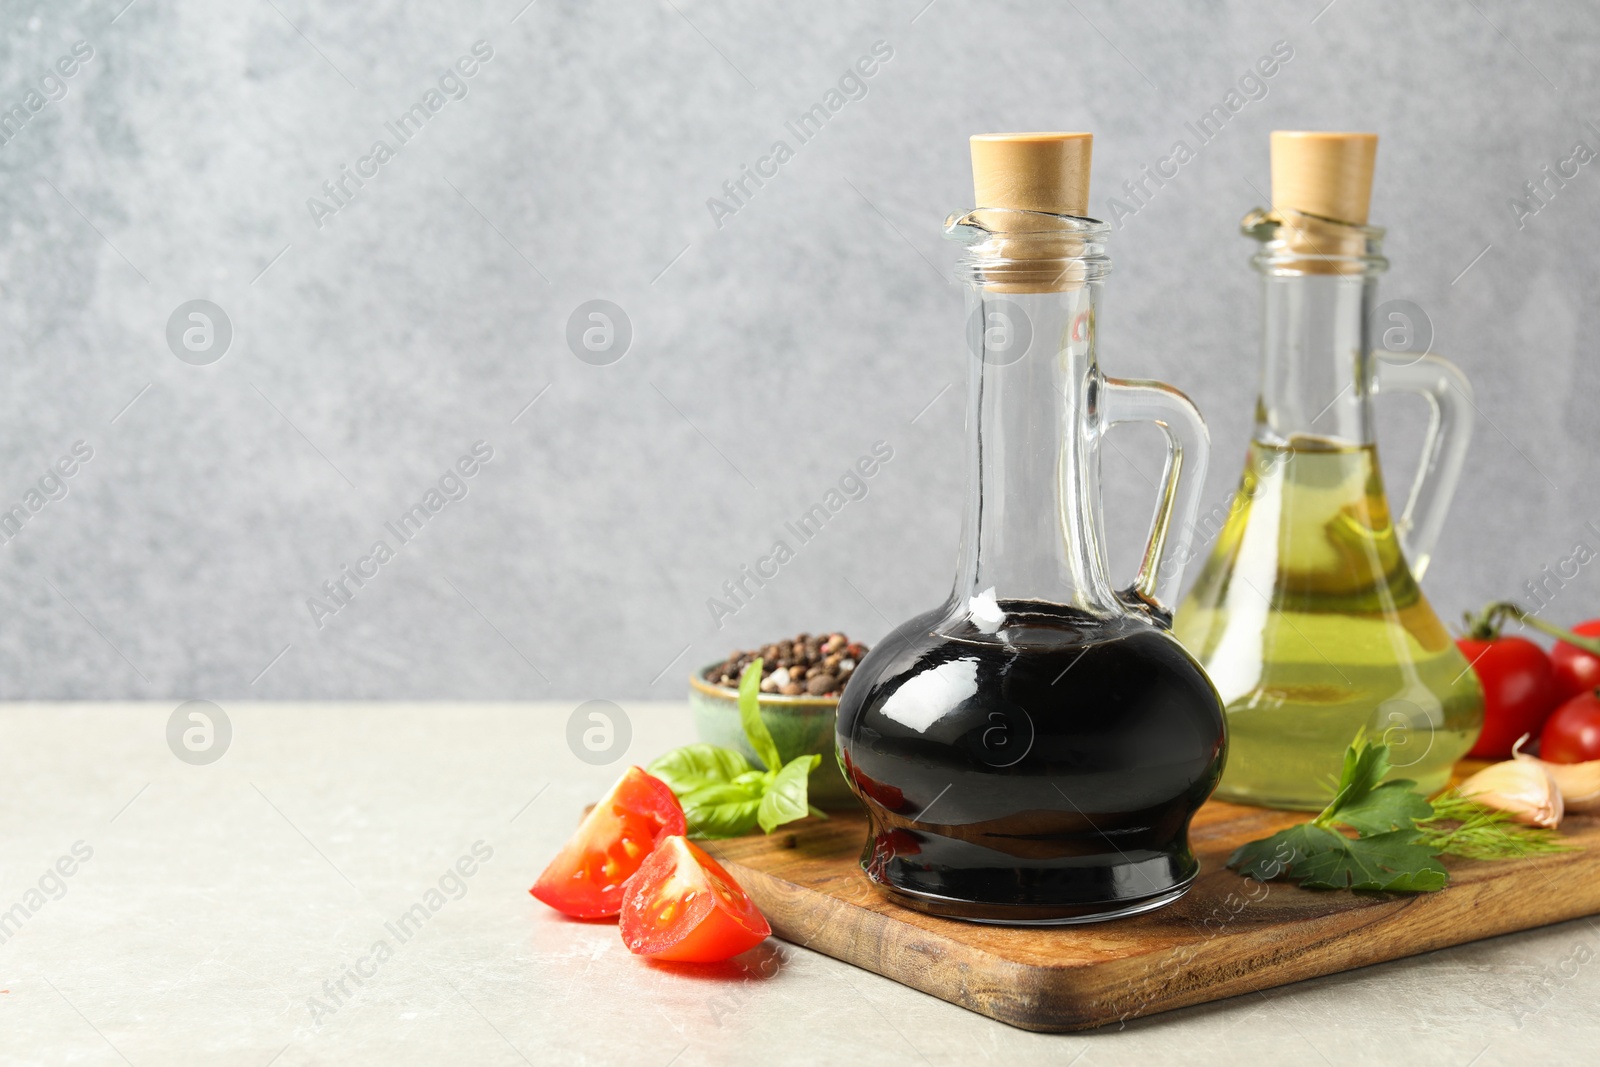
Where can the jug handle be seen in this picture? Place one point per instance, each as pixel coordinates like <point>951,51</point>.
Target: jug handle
<point>1168,550</point>
<point>1450,404</point>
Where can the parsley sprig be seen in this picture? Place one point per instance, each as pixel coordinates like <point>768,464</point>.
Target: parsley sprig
<point>721,794</point>
<point>1398,834</point>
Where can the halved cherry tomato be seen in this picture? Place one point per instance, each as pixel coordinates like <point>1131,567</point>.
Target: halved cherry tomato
<point>585,879</point>
<point>1518,690</point>
<point>683,906</point>
<point>1573,733</point>
<point>1576,670</point>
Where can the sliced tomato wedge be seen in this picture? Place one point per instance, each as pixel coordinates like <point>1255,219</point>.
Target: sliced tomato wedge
<point>585,879</point>
<point>683,906</point>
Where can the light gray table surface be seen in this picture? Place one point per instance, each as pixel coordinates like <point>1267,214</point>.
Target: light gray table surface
<point>220,898</point>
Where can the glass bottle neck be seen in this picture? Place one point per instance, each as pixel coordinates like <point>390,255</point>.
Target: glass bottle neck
<point>1317,370</point>
<point>1033,527</point>
<point>1319,279</point>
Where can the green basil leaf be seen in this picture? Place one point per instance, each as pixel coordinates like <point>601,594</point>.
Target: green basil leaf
<point>692,766</point>
<point>724,820</point>
<point>785,799</point>
<point>721,810</point>
<point>755,731</point>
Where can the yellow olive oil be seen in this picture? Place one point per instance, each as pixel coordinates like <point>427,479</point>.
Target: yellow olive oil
<point>1312,627</point>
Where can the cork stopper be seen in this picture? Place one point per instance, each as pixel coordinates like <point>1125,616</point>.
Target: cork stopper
<point>1321,187</point>
<point>1032,171</point>
<point>1324,174</point>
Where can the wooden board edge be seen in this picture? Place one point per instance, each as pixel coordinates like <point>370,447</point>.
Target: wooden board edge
<point>1064,999</point>
<point>1501,906</point>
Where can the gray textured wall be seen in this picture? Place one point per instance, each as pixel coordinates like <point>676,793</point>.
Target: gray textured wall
<point>768,352</point>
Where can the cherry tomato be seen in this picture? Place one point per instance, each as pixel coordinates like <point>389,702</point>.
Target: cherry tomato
<point>683,906</point>
<point>585,879</point>
<point>1518,691</point>
<point>1576,670</point>
<point>1572,735</point>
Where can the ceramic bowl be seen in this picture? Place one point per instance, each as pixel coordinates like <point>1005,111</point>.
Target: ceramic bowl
<point>799,725</point>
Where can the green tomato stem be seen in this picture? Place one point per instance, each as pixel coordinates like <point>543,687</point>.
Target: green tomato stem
<point>1486,626</point>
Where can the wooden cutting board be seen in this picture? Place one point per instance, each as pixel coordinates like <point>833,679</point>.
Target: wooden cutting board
<point>1229,935</point>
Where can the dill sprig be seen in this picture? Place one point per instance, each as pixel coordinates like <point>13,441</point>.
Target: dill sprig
<point>1462,827</point>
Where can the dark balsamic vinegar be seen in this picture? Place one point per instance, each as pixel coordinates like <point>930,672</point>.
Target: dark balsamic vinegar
<point>1042,772</point>
<point>1033,751</point>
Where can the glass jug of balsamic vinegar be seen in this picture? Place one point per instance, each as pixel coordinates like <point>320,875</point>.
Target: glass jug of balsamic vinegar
<point>1307,614</point>
<point>1032,751</point>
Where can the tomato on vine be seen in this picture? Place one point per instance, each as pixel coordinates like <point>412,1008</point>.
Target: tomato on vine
<point>1572,735</point>
<point>1577,670</point>
<point>1518,684</point>
<point>1523,687</point>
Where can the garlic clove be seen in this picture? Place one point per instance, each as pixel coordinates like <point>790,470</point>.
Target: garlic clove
<point>1523,789</point>
<point>1579,783</point>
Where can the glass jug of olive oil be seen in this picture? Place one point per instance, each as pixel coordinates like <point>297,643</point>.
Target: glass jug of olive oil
<point>1307,614</point>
